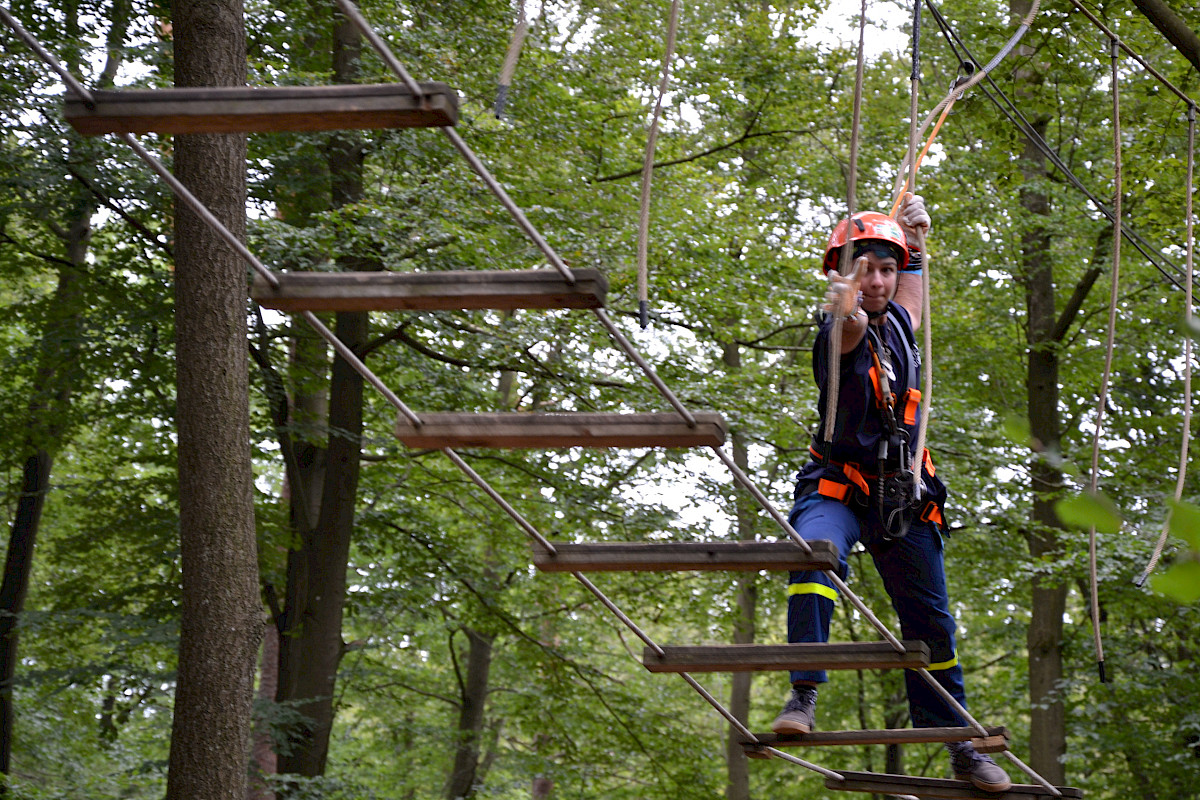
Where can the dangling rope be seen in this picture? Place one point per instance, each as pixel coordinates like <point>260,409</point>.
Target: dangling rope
<point>1187,353</point>
<point>643,245</point>
<point>832,384</point>
<point>510,60</point>
<point>918,452</point>
<point>1108,354</point>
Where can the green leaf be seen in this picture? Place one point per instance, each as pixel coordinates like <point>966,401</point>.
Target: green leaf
<point>1185,523</point>
<point>1089,510</point>
<point>1016,428</point>
<point>1181,582</point>
<point>1193,328</point>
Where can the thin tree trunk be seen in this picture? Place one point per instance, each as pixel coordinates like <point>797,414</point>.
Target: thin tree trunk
<point>54,381</point>
<point>221,611</point>
<point>1173,27</point>
<point>462,781</point>
<point>312,647</point>
<point>1045,635</point>
<point>262,754</point>
<point>737,786</point>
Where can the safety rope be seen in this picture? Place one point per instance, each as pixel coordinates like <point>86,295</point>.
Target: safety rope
<point>504,82</point>
<point>643,242</point>
<point>1109,348</point>
<point>834,360</point>
<point>352,12</point>
<point>957,90</point>
<point>1018,119</point>
<point>1187,352</point>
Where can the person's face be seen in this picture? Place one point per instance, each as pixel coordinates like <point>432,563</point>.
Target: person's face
<point>878,282</point>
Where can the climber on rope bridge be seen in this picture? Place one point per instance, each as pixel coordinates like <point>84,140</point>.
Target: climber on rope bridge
<point>859,484</point>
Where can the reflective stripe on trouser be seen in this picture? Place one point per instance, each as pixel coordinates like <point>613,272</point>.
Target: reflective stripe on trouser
<point>913,573</point>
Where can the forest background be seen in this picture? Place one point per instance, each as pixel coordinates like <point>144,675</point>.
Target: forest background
<point>410,649</point>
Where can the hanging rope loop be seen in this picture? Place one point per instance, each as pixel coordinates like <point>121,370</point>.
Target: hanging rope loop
<point>643,245</point>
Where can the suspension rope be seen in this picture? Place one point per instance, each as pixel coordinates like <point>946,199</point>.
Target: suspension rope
<point>504,82</point>
<point>1018,119</point>
<point>834,360</point>
<point>957,91</point>
<point>389,58</point>
<point>1187,351</point>
<point>1109,347</point>
<point>643,242</point>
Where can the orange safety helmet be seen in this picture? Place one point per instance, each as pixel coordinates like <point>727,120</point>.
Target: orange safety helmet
<point>868,225</point>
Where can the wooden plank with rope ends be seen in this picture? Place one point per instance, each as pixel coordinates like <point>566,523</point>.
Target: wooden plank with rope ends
<point>426,291</point>
<point>258,109</point>
<point>780,556</point>
<point>994,742</point>
<point>521,430</point>
<point>884,784</point>
<point>770,657</point>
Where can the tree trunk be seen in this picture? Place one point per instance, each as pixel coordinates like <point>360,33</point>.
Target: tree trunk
<point>737,786</point>
<point>1045,635</point>
<point>54,380</point>
<point>311,646</point>
<point>262,754</point>
<point>221,611</point>
<point>1172,26</point>
<point>461,783</point>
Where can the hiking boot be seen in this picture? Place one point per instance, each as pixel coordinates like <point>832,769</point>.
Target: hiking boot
<point>979,769</point>
<point>799,714</point>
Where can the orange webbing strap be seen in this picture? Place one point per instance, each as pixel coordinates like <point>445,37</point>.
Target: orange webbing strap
<point>912,400</point>
<point>833,489</point>
<point>874,373</point>
<point>931,513</point>
<point>928,459</point>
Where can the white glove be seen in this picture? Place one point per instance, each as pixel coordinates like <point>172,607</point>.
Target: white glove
<point>912,215</point>
<point>842,298</point>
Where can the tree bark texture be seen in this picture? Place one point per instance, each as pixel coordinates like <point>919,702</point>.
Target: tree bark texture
<point>462,781</point>
<point>221,610</point>
<point>311,645</point>
<point>1044,638</point>
<point>1173,27</point>
<point>737,784</point>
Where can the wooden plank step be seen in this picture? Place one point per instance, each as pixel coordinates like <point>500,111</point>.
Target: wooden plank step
<point>783,555</point>
<point>994,742</point>
<point>880,783</point>
<point>763,657</point>
<point>561,430</point>
<point>246,109</point>
<point>421,291</point>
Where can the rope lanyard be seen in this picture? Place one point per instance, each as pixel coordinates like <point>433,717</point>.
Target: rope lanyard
<point>1187,350</point>
<point>834,361</point>
<point>643,243</point>
<point>1108,353</point>
<point>504,82</point>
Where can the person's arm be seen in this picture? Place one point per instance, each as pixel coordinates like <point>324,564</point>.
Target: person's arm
<point>911,217</point>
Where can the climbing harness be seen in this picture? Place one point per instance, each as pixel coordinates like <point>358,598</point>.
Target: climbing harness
<point>895,489</point>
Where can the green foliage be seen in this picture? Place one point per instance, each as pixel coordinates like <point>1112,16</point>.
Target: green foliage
<point>752,161</point>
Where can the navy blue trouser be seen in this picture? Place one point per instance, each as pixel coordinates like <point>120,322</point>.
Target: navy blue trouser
<point>913,572</point>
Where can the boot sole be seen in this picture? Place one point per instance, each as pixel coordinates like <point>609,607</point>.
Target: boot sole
<point>790,727</point>
<point>986,787</point>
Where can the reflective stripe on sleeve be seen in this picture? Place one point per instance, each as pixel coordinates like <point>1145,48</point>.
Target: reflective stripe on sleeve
<point>812,588</point>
